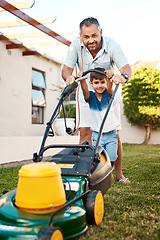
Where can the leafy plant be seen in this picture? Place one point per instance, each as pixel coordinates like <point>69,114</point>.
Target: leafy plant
<point>69,108</point>
<point>141,98</point>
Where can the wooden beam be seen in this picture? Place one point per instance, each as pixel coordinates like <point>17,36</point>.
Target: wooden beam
<point>30,52</point>
<point>19,22</point>
<point>31,34</point>
<point>42,44</point>
<point>14,45</point>
<point>2,37</point>
<point>18,13</point>
<point>25,35</point>
<point>21,5</point>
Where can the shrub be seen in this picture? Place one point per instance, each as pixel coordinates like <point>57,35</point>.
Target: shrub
<point>141,98</point>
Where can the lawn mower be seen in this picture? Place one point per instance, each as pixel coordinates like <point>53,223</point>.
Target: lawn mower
<point>59,196</point>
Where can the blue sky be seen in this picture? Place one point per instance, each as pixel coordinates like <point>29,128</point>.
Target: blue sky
<point>134,24</point>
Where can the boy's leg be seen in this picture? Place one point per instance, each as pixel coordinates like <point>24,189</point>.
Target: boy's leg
<point>108,142</point>
<point>111,146</point>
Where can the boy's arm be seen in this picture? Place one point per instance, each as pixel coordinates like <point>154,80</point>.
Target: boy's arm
<point>110,87</point>
<point>109,74</point>
<point>85,90</point>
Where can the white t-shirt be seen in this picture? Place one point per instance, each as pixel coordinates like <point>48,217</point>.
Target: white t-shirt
<point>98,110</point>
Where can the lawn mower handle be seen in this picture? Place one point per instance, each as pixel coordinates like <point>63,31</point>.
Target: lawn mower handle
<point>93,70</point>
<point>73,85</point>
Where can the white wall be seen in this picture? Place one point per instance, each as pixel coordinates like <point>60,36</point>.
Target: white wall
<point>135,134</point>
<point>16,88</point>
<point>22,148</point>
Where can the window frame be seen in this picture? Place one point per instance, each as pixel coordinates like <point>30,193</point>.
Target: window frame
<point>40,107</point>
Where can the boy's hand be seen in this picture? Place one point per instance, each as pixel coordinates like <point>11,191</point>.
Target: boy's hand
<point>109,74</point>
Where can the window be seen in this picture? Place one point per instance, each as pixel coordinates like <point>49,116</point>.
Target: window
<point>38,96</point>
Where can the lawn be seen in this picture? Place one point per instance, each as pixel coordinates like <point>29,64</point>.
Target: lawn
<point>132,211</point>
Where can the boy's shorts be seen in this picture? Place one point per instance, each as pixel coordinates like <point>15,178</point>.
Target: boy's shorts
<point>109,141</point>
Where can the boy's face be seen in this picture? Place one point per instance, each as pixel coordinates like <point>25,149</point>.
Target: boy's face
<point>98,85</point>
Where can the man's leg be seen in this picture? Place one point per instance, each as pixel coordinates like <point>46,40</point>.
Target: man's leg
<point>83,119</point>
<point>118,163</point>
<point>110,141</point>
<point>85,135</point>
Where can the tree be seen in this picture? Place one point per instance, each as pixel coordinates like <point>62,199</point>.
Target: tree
<point>141,98</point>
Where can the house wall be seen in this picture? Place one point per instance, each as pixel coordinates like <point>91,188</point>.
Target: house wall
<point>135,134</point>
<point>16,89</point>
<point>13,149</point>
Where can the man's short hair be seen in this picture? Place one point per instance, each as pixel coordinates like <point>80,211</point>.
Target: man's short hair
<point>88,21</point>
<point>95,75</point>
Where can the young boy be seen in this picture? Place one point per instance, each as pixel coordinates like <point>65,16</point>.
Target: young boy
<point>98,102</point>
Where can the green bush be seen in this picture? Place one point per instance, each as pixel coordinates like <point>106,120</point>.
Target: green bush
<point>141,97</point>
<point>69,107</point>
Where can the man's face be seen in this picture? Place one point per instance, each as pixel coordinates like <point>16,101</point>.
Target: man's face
<point>91,37</point>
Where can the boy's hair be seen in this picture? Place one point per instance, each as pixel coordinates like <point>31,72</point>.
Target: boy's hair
<point>88,21</point>
<point>95,75</point>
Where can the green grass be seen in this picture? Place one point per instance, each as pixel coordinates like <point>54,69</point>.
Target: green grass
<point>132,211</point>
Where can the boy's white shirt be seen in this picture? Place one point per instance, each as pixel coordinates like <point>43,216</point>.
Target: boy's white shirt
<point>111,122</point>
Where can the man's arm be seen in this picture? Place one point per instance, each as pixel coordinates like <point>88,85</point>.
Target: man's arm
<point>126,69</point>
<point>67,74</point>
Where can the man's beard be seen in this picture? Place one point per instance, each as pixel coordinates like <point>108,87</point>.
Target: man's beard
<point>92,46</point>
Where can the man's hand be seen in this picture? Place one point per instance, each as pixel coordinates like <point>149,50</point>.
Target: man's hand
<point>117,79</point>
<point>70,79</point>
<point>67,74</point>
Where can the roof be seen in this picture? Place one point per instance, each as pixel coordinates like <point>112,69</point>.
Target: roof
<point>25,19</point>
<point>15,44</point>
<point>148,63</point>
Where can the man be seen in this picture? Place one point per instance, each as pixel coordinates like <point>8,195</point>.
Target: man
<point>90,51</point>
